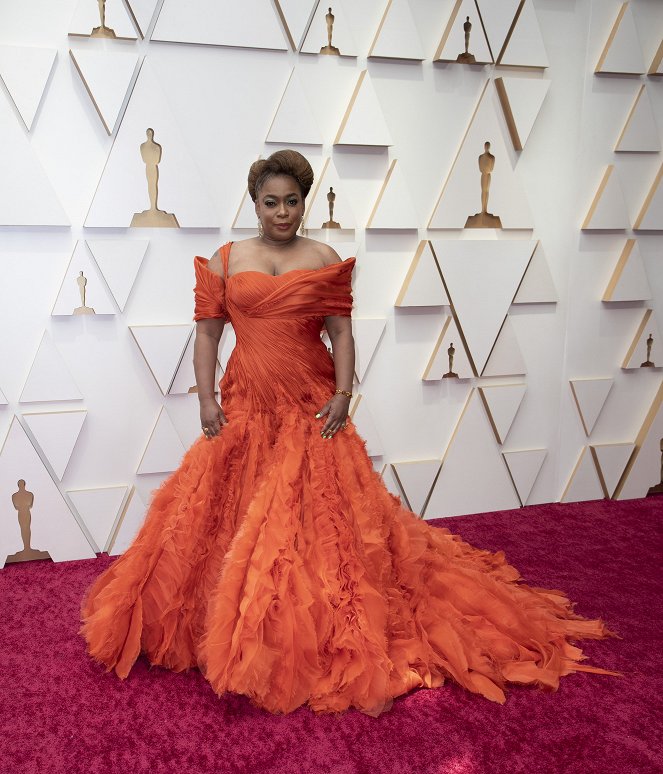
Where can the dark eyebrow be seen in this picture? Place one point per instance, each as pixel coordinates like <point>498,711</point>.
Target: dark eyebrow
<point>274,196</point>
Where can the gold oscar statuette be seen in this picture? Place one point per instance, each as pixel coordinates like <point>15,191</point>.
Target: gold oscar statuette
<point>102,31</point>
<point>485,219</point>
<point>329,49</point>
<point>658,488</point>
<point>466,57</point>
<point>450,373</point>
<point>23,500</point>
<point>331,198</point>
<point>150,152</point>
<point>82,282</point>
<point>648,362</point>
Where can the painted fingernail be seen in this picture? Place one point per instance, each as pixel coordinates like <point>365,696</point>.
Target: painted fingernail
<point>317,416</point>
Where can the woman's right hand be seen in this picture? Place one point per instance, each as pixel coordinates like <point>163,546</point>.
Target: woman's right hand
<point>212,418</point>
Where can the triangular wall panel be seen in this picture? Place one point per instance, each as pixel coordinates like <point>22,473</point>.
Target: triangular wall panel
<point>363,122</point>
<point>656,67</point>
<point>590,396</point>
<point>107,77</point>
<point>317,211</point>
<point>461,195</point>
<point>397,36</point>
<point>622,53</point>
<point>162,346</point>
<point>640,133</point>
<point>524,467</point>
<point>629,279</point>
<point>49,378</point>
<point>449,353</point>
<point>506,357</point>
<point>498,19</point>
<point>294,122</point>
<point>524,45</point>
<point>56,433</point>
<point>496,268</point>
<point>366,427</point>
<point>164,449</point>
<point>502,402</point>
<point>521,100</point>
<point>650,217</point>
<point>584,483</point>
<point>82,271</point>
<point>423,285</point>
<point>608,208</point>
<point>99,509</point>
<point>394,208</point>
<point>342,37</point>
<point>296,17</point>
<point>142,14</point>
<point>415,479</point>
<point>610,460</point>
<point>87,18</point>
<point>25,72</point>
<point>119,260</point>
<point>648,331</point>
<point>130,521</point>
<point>53,526</point>
<point>452,44</point>
<point>537,286</point>
<point>367,334</point>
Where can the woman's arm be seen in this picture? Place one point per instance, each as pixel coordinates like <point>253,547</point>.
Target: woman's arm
<point>336,409</point>
<point>205,352</point>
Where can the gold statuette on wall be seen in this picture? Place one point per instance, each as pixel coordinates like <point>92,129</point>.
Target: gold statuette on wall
<point>329,49</point>
<point>466,57</point>
<point>450,373</point>
<point>82,282</point>
<point>23,500</point>
<point>102,31</point>
<point>485,219</point>
<point>648,362</point>
<point>331,198</point>
<point>154,217</point>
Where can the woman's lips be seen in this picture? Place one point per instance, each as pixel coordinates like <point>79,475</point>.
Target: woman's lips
<point>283,226</point>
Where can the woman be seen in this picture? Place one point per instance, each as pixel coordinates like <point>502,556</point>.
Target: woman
<point>274,559</point>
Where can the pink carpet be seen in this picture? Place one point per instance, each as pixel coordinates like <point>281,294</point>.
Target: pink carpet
<point>59,712</point>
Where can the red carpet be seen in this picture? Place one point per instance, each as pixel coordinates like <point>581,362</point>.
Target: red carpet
<point>59,712</point>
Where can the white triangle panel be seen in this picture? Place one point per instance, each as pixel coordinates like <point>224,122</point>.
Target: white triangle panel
<point>30,200</point>
<point>524,47</point>
<point>142,14</point>
<point>164,449</point>
<point>394,208</point>
<point>56,433</point>
<point>296,16</point>
<point>643,474</point>
<point>317,210</point>
<point>584,483</point>
<point>452,43</point>
<point>498,19</point>
<point>611,460</point>
<point>25,72</point>
<point>629,279</point>
<point>461,195</point>
<point>123,191</point>
<point>87,17</point>
<point>294,122</point>
<point>95,292</point>
<point>622,53</point>
<point>423,285</point>
<point>107,77</point>
<point>481,305</point>
<point>524,466</point>
<point>367,334</point>
<point>656,67</point>
<point>342,37</point>
<point>119,261</point>
<point>366,427</point>
<point>502,403</point>
<point>640,133</point>
<point>397,36</point>
<point>474,477</point>
<point>246,213</point>
<point>608,208</point>
<point>537,286</point>
<point>53,526</point>
<point>49,378</point>
<point>185,378</point>
<point>440,360</point>
<point>162,346</point>
<point>637,352</point>
<point>651,213</point>
<point>521,100</point>
<point>131,520</point>
<point>363,122</point>
<point>415,479</point>
<point>249,24</point>
<point>3,400</point>
<point>506,358</point>
<point>590,396</point>
<point>99,509</point>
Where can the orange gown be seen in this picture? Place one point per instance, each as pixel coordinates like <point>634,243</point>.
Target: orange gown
<point>278,563</point>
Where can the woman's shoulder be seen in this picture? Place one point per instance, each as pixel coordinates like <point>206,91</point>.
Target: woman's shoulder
<point>323,251</point>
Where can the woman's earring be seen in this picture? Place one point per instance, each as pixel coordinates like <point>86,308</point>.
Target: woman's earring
<point>261,231</point>
<point>301,226</point>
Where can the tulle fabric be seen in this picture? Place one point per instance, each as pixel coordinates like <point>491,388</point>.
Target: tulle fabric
<point>277,562</point>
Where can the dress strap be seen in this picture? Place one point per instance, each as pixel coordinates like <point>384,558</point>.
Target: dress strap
<point>224,252</point>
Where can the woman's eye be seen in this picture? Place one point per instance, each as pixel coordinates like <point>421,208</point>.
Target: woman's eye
<point>293,202</point>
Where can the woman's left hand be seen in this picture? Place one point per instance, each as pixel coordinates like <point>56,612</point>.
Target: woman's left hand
<point>336,411</point>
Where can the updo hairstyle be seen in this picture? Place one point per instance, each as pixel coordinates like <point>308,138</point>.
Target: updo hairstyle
<point>283,162</point>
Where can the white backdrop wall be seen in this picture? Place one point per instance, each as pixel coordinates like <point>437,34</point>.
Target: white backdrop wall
<point>65,180</point>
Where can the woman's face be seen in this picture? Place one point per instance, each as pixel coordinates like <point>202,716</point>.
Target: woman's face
<point>280,207</point>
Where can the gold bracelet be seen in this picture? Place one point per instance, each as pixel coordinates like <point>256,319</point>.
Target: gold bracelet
<point>343,392</point>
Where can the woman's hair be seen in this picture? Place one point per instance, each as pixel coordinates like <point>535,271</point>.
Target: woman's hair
<point>283,162</point>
